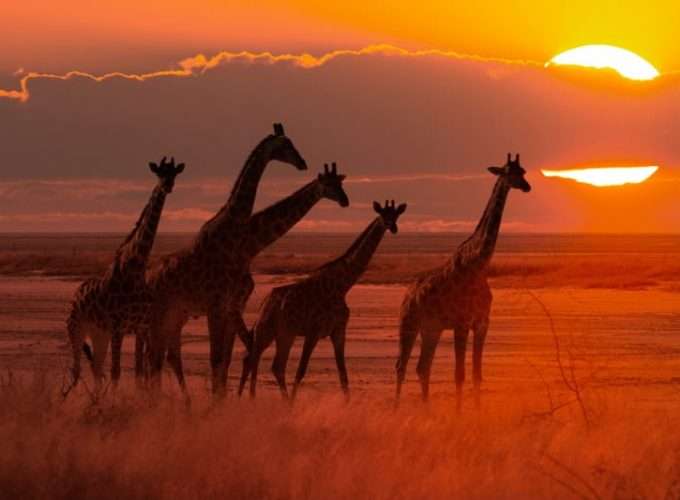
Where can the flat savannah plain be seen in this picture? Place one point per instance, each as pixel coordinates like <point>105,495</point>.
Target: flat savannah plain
<point>581,394</point>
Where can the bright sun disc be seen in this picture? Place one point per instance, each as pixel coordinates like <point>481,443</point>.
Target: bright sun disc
<point>605,176</point>
<point>625,62</point>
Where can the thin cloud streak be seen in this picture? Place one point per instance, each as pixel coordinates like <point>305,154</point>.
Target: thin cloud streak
<point>200,64</point>
<point>24,95</point>
<point>413,178</point>
<point>112,187</point>
<point>178,215</point>
<point>77,188</point>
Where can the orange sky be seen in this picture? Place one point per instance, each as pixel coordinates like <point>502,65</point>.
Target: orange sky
<point>419,127</point>
<point>521,29</point>
<point>47,32</point>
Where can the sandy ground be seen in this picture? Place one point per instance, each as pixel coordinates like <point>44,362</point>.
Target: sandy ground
<point>625,339</point>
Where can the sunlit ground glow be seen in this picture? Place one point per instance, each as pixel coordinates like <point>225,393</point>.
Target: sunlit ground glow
<point>625,62</point>
<point>605,176</point>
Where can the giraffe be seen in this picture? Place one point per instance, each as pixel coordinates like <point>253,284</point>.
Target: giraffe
<point>262,229</point>
<point>316,307</point>
<point>457,295</point>
<point>105,308</point>
<point>217,242</point>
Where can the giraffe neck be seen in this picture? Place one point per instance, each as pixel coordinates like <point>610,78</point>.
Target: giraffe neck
<point>346,270</point>
<point>270,224</point>
<point>475,253</point>
<point>241,200</point>
<point>137,246</point>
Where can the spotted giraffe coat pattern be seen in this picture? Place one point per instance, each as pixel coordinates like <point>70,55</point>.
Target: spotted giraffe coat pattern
<point>106,308</point>
<point>262,229</point>
<point>457,295</point>
<point>316,307</point>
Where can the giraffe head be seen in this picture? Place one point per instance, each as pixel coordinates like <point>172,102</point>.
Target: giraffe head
<point>513,173</point>
<point>331,185</point>
<point>283,150</point>
<point>166,172</point>
<point>390,214</point>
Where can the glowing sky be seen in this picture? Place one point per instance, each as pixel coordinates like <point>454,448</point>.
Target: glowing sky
<point>522,29</point>
<point>420,124</point>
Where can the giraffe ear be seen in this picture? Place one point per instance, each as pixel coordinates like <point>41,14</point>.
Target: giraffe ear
<point>377,207</point>
<point>179,169</point>
<point>153,167</point>
<point>496,170</point>
<point>401,208</point>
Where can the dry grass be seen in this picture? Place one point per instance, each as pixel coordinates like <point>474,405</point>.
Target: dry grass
<point>124,447</point>
<point>553,424</point>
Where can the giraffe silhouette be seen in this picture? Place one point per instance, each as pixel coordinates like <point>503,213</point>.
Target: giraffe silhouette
<point>261,230</point>
<point>316,307</point>
<point>197,280</point>
<point>107,307</point>
<point>457,295</point>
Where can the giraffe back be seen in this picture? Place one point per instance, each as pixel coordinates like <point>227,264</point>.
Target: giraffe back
<point>305,307</point>
<point>448,298</point>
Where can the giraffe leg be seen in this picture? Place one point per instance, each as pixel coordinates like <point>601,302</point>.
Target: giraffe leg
<point>116,348</point>
<point>408,332</point>
<point>75,336</point>
<point>142,334</point>
<point>248,340</point>
<point>141,373</point>
<point>235,328</point>
<point>254,362</point>
<point>430,339</point>
<point>283,345</point>
<point>152,348</point>
<point>307,349</point>
<point>100,347</point>
<point>460,337</point>
<point>242,330</point>
<point>163,333</point>
<point>246,369</point>
<point>217,326</point>
<point>480,330</point>
<point>154,355</point>
<point>264,334</point>
<point>174,358</point>
<point>338,339</point>
<point>245,335</point>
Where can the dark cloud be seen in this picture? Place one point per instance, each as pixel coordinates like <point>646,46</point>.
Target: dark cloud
<point>421,129</point>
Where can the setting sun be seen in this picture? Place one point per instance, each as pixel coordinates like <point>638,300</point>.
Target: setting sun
<point>605,176</point>
<point>624,62</point>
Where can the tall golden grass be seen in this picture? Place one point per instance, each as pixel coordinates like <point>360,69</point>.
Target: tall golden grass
<point>322,447</point>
